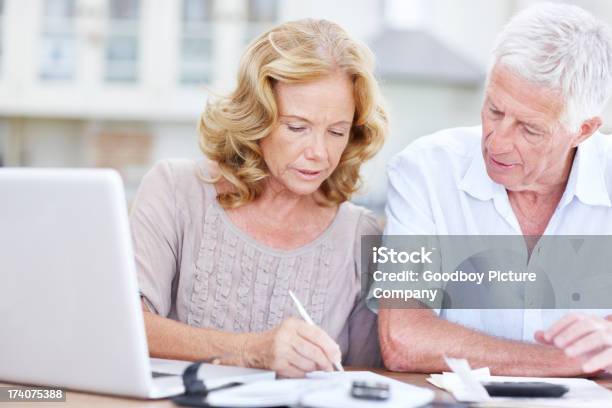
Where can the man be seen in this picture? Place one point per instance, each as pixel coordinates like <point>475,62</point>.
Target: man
<point>537,166</point>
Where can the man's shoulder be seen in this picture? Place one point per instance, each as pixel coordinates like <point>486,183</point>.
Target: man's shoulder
<point>443,148</point>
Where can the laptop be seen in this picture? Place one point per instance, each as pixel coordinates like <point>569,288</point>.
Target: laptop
<point>70,313</point>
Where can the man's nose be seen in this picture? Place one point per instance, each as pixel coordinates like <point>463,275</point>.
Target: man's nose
<point>501,138</point>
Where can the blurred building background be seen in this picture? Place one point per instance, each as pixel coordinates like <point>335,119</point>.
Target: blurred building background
<point>121,83</point>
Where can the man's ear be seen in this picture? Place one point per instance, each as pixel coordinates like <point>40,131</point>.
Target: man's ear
<point>587,128</point>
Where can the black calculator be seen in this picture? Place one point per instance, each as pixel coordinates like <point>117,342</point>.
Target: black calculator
<point>525,389</point>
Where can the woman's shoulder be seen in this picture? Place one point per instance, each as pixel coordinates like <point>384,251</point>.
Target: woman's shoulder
<point>359,220</point>
<point>183,169</point>
<point>189,180</point>
<point>356,223</point>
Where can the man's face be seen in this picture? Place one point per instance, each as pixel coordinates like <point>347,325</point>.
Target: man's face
<point>524,145</point>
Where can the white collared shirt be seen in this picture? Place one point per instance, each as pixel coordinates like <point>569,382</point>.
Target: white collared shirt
<point>439,185</point>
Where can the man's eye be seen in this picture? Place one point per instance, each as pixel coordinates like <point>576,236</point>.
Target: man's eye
<point>495,112</point>
<point>531,132</point>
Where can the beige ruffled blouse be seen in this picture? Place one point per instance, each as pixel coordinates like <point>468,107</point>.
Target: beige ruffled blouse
<point>195,266</point>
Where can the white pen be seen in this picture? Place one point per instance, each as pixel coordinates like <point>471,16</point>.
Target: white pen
<point>308,320</point>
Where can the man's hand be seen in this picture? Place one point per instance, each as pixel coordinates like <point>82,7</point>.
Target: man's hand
<point>582,336</point>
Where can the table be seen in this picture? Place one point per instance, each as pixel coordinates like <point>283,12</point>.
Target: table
<point>80,399</point>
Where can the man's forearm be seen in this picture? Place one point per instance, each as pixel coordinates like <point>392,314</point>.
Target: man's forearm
<point>416,340</point>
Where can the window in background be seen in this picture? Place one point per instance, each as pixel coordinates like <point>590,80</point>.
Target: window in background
<point>122,43</point>
<point>196,42</point>
<point>58,41</point>
<point>261,16</point>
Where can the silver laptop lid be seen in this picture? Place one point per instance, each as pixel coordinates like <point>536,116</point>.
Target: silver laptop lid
<point>69,304</point>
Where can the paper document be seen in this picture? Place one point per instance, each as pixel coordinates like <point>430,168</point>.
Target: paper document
<point>212,375</point>
<point>582,392</point>
<point>469,387</point>
<point>320,389</point>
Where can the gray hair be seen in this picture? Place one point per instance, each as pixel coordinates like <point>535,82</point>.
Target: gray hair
<point>564,48</point>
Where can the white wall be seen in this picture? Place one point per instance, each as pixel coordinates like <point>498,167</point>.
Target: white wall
<point>416,110</point>
<point>176,140</point>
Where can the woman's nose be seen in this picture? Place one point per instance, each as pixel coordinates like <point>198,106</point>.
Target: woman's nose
<point>316,149</point>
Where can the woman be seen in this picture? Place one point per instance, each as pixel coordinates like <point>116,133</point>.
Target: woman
<point>220,243</point>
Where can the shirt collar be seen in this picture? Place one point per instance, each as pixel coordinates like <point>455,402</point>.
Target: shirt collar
<point>586,181</point>
<point>587,177</point>
<point>476,181</point>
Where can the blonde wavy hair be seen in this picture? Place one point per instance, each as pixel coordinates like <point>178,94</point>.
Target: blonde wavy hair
<point>231,127</point>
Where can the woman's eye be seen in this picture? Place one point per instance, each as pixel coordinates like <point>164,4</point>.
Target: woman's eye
<point>336,133</point>
<point>296,129</point>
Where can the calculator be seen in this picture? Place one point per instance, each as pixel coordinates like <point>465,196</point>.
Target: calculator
<point>525,389</point>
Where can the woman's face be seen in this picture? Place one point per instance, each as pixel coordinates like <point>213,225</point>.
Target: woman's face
<point>315,120</point>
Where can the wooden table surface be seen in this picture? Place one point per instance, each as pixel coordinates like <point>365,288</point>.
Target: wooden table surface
<point>81,399</point>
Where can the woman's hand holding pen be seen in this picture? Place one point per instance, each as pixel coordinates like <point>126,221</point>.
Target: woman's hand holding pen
<point>292,349</point>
